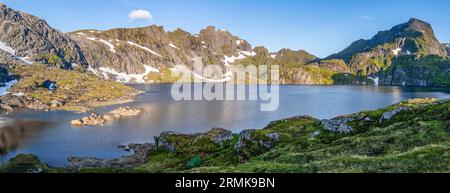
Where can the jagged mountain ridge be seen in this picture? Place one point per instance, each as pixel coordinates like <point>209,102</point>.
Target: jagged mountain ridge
<point>25,39</point>
<point>152,49</point>
<point>151,54</point>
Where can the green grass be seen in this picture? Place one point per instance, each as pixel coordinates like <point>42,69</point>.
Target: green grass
<point>415,140</point>
<point>74,88</point>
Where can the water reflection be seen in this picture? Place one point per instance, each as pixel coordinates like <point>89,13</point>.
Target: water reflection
<point>60,140</point>
<point>13,132</point>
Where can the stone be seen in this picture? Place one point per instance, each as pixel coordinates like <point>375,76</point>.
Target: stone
<point>5,107</point>
<point>99,120</point>
<point>388,115</point>
<point>76,122</point>
<point>315,134</point>
<point>55,104</point>
<point>126,111</point>
<point>141,153</point>
<point>162,142</point>
<point>273,136</point>
<point>219,135</point>
<point>338,124</point>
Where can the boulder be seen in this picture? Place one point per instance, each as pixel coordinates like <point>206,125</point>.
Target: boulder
<point>50,85</point>
<point>338,124</point>
<point>250,145</point>
<point>162,142</point>
<point>5,107</point>
<point>55,104</point>
<point>315,134</point>
<point>219,135</point>
<point>388,115</point>
<point>76,122</point>
<point>99,120</point>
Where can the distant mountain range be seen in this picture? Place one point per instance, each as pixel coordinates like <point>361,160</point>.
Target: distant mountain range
<point>407,54</point>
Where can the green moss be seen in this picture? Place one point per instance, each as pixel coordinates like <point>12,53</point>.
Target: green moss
<point>414,140</point>
<point>26,163</point>
<point>164,76</point>
<point>194,162</point>
<point>73,88</point>
<point>431,68</point>
<point>51,59</point>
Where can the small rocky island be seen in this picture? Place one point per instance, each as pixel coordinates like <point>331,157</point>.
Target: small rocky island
<point>411,136</point>
<point>99,120</point>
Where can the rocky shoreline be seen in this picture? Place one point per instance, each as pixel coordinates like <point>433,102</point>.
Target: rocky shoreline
<point>220,150</point>
<point>41,88</point>
<point>139,156</point>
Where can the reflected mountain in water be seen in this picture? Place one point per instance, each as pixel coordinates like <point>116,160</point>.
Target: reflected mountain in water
<point>12,132</point>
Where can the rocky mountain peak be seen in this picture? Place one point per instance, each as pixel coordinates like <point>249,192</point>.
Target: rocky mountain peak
<point>25,39</point>
<point>418,25</point>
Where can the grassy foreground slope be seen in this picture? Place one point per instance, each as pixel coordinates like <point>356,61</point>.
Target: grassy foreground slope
<point>414,140</point>
<point>412,136</point>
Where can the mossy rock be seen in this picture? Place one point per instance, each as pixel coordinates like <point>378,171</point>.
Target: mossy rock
<point>25,163</point>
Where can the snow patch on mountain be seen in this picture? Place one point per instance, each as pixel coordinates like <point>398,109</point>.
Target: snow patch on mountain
<point>6,48</point>
<point>173,46</point>
<point>127,78</point>
<point>111,47</point>
<point>144,48</point>
<point>240,55</point>
<point>396,51</point>
<point>26,60</point>
<point>180,68</point>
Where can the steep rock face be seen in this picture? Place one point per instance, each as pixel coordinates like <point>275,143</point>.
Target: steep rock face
<point>447,47</point>
<point>426,71</point>
<point>118,53</point>
<point>415,37</point>
<point>25,39</point>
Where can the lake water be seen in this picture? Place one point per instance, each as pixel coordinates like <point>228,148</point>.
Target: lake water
<point>50,135</point>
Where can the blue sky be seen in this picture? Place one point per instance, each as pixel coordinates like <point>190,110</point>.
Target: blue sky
<point>321,27</point>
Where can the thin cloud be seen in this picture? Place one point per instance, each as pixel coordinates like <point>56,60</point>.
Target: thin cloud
<point>140,14</point>
<point>366,17</point>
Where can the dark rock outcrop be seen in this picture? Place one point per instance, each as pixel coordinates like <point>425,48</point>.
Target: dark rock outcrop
<point>411,71</point>
<point>250,145</point>
<point>447,47</point>
<point>388,115</point>
<point>141,153</point>
<point>338,124</point>
<point>173,141</point>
